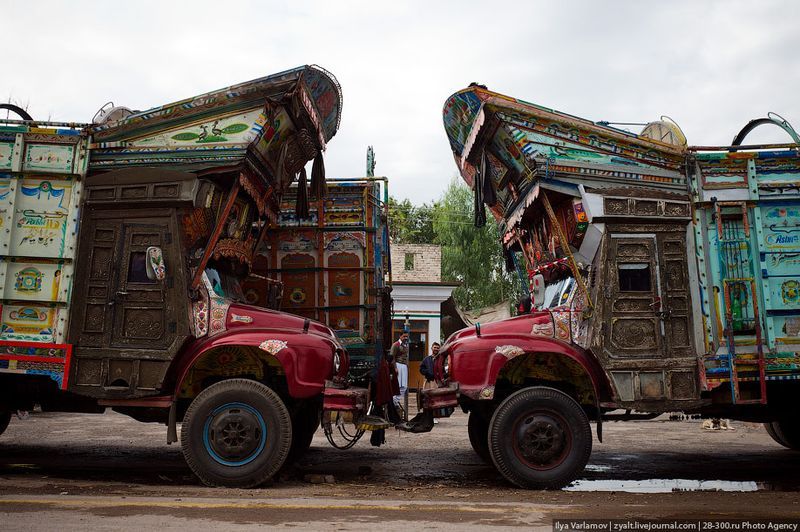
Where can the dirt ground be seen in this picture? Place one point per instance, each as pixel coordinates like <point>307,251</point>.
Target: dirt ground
<point>114,473</point>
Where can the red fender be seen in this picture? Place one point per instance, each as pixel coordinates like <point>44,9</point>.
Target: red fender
<point>475,361</point>
<point>306,358</point>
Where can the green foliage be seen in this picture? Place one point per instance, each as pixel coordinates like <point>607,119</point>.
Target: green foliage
<point>409,224</point>
<point>470,255</point>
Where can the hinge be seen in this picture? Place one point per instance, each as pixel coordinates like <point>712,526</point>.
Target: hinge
<point>169,282</point>
<point>168,238</point>
<point>173,326</point>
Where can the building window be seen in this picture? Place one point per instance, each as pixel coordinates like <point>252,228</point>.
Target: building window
<point>634,277</point>
<point>409,261</point>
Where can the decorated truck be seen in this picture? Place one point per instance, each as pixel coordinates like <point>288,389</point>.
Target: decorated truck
<point>334,265</point>
<point>663,278</point>
<point>127,246</point>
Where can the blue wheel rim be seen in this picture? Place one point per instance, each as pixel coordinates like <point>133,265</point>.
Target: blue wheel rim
<point>207,432</point>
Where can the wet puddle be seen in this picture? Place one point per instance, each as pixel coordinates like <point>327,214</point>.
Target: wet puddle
<point>598,467</point>
<point>664,485</point>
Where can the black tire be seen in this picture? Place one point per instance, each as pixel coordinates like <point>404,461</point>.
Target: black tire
<point>305,423</point>
<point>5,419</point>
<point>478,429</point>
<point>785,432</point>
<point>774,435</point>
<point>236,433</point>
<point>540,438</point>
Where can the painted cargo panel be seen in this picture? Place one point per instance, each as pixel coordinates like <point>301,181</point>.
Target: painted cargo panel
<point>747,205</point>
<point>332,264</point>
<point>40,186</point>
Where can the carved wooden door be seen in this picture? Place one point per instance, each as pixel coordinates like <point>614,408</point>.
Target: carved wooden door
<point>675,290</point>
<point>96,276</point>
<point>119,312</point>
<point>632,296</point>
<point>144,315</point>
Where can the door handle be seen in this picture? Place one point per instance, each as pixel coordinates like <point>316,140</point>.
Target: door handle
<point>122,293</point>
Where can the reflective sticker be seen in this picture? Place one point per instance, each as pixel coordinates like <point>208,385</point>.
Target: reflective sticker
<point>509,351</point>
<point>240,318</point>
<point>272,346</point>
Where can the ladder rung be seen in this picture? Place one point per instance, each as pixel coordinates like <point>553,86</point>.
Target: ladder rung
<point>750,401</point>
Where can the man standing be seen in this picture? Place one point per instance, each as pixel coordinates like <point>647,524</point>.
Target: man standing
<point>399,354</point>
<point>426,367</point>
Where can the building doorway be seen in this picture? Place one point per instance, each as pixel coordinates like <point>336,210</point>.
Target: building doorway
<point>418,340</point>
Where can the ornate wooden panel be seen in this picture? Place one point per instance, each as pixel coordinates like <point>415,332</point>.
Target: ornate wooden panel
<point>676,303</point>
<point>126,327</point>
<point>344,288</point>
<point>142,314</point>
<point>94,312</point>
<point>299,286</point>
<point>631,294</point>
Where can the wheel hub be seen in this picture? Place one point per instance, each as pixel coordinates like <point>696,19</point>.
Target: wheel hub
<point>541,440</point>
<point>235,434</point>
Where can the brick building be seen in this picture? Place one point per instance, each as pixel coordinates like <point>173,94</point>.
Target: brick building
<point>418,292</point>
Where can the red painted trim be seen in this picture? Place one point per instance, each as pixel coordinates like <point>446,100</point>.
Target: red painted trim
<point>39,345</point>
<point>67,366</point>
<point>164,401</point>
<point>66,360</point>
<point>33,358</point>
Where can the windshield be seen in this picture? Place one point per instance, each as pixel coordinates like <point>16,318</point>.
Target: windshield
<point>557,294</point>
<point>225,285</point>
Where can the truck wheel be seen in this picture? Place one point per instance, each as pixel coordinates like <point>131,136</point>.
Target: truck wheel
<point>540,438</point>
<point>5,419</point>
<point>774,435</point>
<point>785,432</point>
<point>236,433</point>
<point>478,429</point>
<point>304,424</point>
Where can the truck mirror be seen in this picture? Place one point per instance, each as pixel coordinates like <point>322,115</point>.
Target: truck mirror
<point>537,290</point>
<point>156,270</point>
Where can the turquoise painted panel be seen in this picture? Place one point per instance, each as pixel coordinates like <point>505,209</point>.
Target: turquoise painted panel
<point>6,151</point>
<point>49,158</point>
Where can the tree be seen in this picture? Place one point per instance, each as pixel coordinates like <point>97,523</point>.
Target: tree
<point>409,224</point>
<point>470,255</point>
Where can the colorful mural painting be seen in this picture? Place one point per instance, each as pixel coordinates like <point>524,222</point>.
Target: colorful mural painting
<point>40,219</point>
<point>340,250</point>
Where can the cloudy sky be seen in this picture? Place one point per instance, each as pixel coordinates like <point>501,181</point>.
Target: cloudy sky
<point>711,66</point>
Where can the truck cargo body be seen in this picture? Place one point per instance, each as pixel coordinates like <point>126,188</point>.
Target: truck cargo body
<point>334,265</point>
<point>663,278</point>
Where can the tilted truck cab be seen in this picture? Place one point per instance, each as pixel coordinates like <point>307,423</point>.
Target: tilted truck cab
<point>661,278</point>
<point>127,246</point>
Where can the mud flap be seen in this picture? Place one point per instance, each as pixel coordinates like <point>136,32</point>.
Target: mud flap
<point>600,428</point>
<point>599,420</point>
<point>350,399</point>
<point>172,424</point>
<point>440,401</point>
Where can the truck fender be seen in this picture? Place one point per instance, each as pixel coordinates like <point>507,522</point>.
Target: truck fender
<point>476,362</point>
<point>305,359</point>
